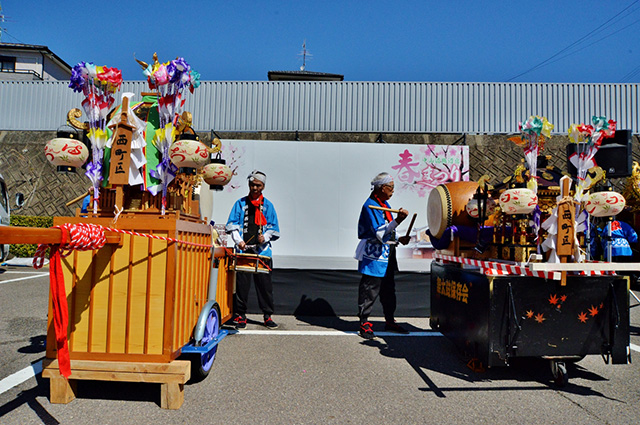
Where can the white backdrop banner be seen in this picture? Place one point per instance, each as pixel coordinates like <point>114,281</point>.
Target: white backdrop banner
<point>318,189</point>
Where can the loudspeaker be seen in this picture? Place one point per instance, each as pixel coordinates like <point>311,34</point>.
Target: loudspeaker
<point>614,155</point>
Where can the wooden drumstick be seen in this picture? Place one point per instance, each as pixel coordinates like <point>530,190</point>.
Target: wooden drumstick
<point>413,220</point>
<point>76,199</point>
<point>373,207</point>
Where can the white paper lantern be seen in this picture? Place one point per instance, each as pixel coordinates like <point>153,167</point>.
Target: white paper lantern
<point>605,204</point>
<point>217,174</point>
<point>186,153</point>
<point>66,152</point>
<point>518,201</point>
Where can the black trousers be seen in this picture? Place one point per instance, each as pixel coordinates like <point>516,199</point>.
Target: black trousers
<point>369,289</point>
<point>264,290</point>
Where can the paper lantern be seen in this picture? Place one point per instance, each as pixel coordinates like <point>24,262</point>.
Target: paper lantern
<point>605,204</point>
<point>66,152</point>
<point>189,152</point>
<point>518,201</point>
<point>473,209</point>
<point>217,174</point>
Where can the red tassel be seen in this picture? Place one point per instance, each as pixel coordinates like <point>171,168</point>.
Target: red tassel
<point>60,310</point>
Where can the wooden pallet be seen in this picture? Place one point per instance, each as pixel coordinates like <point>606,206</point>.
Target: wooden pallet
<point>172,376</point>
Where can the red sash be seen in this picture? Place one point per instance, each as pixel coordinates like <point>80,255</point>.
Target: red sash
<point>382,204</point>
<point>261,220</point>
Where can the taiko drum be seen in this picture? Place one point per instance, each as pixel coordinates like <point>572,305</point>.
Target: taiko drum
<point>446,206</point>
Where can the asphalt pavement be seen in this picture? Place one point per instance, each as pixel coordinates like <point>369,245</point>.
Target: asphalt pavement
<point>315,370</point>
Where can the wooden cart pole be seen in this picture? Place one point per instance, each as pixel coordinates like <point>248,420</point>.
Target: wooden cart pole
<point>46,236</point>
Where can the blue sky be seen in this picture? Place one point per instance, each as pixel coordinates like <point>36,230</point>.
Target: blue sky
<point>449,40</point>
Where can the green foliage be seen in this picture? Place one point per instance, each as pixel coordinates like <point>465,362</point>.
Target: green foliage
<point>24,250</point>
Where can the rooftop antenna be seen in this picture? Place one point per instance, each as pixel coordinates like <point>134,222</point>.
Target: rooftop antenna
<point>304,55</point>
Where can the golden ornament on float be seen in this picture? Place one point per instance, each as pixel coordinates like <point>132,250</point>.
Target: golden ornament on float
<point>189,152</point>
<point>518,201</point>
<point>217,174</point>
<point>66,152</point>
<point>604,204</point>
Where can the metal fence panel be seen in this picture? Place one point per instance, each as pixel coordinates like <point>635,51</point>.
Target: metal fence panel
<point>375,107</point>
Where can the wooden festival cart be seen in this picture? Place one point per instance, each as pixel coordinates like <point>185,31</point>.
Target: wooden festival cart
<point>158,289</point>
<point>137,303</point>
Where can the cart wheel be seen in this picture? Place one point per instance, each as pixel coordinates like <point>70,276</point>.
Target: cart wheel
<point>201,365</point>
<point>560,375</point>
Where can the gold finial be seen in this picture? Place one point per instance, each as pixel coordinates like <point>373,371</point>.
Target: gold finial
<point>483,183</point>
<point>145,65</point>
<point>594,175</point>
<point>184,122</point>
<point>520,172</point>
<point>72,119</point>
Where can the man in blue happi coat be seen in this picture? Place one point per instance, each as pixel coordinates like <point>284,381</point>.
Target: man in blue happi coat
<point>622,236</point>
<point>376,255</point>
<point>253,225</point>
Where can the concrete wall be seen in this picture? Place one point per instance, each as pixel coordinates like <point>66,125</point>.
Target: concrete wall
<point>26,170</point>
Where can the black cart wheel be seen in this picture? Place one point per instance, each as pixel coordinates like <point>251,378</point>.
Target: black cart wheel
<point>559,371</point>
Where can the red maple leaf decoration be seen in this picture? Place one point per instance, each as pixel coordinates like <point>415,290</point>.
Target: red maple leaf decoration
<point>601,305</point>
<point>583,317</point>
<point>540,318</point>
<point>563,298</point>
<point>553,299</point>
<point>593,311</point>
<point>529,314</point>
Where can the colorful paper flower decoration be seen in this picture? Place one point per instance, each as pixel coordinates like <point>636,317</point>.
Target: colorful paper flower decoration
<point>99,85</point>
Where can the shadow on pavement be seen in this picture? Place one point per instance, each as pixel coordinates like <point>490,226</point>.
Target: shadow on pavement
<point>37,344</point>
<point>28,397</point>
<point>436,353</point>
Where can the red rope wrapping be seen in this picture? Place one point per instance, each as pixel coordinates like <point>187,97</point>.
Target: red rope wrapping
<point>83,237</point>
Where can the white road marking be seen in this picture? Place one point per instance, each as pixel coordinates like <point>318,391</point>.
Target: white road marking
<point>635,347</point>
<point>19,272</point>
<point>329,333</point>
<point>20,376</point>
<point>25,278</point>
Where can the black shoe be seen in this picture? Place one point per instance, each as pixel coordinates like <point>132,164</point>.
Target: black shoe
<point>365,331</point>
<point>270,324</point>
<point>240,322</point>
<point>394,327</point>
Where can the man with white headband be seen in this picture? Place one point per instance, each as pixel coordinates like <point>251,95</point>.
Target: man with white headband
<point>376,256</point>
<point>253,225</point>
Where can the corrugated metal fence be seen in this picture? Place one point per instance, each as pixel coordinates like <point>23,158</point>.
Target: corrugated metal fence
<point>376,107</point>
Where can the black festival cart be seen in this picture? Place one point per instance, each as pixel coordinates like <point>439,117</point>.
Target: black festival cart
<point>494,312</point>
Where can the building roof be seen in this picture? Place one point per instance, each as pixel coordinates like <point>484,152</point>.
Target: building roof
<point>34,47</point>
<point>303,76</point>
